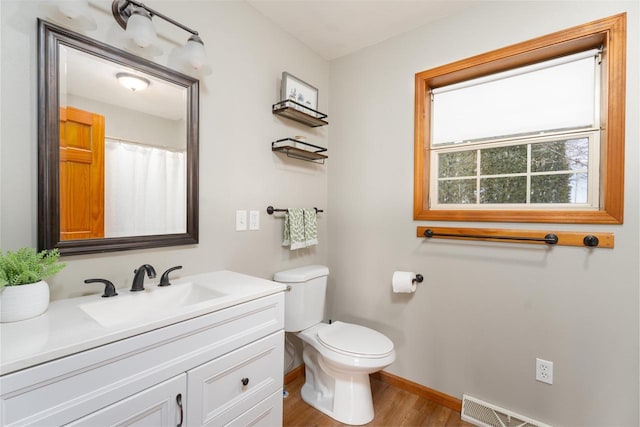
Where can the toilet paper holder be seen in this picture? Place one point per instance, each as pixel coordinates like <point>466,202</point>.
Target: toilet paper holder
<point>418,279</point>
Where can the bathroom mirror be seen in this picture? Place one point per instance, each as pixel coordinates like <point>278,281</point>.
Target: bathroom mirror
<point>117,148</point>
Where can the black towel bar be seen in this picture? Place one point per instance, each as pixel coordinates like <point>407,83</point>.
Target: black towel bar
<point>271,210</point>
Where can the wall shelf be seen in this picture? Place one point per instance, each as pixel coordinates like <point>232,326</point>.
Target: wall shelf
<point>300,113</point>
<point>289,147</point>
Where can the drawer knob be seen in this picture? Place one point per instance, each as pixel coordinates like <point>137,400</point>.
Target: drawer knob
<point>245,381</point>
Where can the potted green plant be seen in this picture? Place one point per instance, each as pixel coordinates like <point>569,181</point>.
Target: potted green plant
<point>23,292</point>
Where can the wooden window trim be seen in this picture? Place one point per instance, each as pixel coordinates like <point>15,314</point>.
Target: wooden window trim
<point>610,33</point>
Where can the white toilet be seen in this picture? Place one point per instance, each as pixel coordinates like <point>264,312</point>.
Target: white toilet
<point>339,356</point>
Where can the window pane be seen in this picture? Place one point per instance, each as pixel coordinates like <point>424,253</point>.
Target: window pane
<point>577,151</point>
<point>457,164</point>
<point>511,189</point>
<point>570,154</point>
<point>457,191</point>
<point>503,160</point>
<point>561,188</point>
<point>558,97</point>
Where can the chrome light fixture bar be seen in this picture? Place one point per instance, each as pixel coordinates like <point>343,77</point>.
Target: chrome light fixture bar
<point>123,9</point>
<point>191,57</point>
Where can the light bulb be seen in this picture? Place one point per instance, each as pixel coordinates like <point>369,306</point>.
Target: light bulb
<point>140,28</point>
<point>194,53</point>
<point>193,58</point>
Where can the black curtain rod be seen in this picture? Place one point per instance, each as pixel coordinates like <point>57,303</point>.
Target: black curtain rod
<point>550,239</point>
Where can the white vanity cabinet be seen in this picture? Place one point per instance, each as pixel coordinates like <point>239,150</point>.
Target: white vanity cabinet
<point>221,368</point>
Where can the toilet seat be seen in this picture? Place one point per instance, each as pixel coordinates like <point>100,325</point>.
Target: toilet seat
<point>355,340</point>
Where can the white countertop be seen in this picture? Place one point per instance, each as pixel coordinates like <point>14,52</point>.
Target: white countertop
<point>65,328</point>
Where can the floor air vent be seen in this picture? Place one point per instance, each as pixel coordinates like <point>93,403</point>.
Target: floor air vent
<point>484,414</point>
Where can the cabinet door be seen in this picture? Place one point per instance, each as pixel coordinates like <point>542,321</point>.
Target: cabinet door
<point>161,405</point>
<point>221,391</point>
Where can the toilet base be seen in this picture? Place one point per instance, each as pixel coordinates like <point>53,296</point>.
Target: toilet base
<point>345,397</point>
<point>351,403</point>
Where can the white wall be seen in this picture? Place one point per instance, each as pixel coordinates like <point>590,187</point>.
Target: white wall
<point>485,310</point>
<point>237,168</point>
<point>135,126</point>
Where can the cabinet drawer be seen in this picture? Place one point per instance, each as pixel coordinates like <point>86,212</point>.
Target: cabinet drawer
<point>267,413</point>
<point>216,391</point>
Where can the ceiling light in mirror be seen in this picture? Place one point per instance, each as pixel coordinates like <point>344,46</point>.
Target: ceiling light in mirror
<point>132,82</point>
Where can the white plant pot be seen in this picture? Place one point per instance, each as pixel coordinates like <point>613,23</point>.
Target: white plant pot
<point>24,301</point>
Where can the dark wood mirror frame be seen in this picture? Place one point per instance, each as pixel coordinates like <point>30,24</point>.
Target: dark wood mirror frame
<point>50,37</point>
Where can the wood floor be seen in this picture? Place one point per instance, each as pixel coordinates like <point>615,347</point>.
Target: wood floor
<point>393,407</point>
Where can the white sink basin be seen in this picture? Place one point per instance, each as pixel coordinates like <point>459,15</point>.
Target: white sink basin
<point>148,304</point>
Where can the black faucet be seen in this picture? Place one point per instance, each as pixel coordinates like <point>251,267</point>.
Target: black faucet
<point>138,278</point>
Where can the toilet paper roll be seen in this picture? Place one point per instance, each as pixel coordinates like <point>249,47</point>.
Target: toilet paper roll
<point>402,282</point>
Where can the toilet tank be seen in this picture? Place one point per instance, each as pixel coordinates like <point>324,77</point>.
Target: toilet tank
<point>304,301</point>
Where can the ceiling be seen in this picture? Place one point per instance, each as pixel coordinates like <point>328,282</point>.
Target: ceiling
<point>334,28</point>
<point>91,77</point>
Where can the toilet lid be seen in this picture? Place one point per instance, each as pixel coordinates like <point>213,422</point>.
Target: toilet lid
<point>355,340</point>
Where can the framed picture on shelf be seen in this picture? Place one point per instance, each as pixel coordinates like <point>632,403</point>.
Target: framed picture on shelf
<point>299,91</point>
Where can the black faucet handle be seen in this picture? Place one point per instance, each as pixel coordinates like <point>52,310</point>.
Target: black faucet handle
<point>164,280</point>
<point>109,289</point>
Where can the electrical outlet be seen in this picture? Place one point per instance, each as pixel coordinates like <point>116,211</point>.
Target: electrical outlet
<point>254,220</point>
<point>241,220</point>
<point>544,371</point>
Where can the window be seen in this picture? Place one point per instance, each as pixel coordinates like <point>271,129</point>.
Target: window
<point>529,133</point>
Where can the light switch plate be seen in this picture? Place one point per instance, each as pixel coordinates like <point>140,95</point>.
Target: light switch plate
<point>254,220</point>
<point>241,220</point>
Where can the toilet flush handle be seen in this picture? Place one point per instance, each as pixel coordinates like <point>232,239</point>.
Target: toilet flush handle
<point>288,288</point>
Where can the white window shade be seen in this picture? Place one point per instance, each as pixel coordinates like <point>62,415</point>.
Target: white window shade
<point>552,95</point>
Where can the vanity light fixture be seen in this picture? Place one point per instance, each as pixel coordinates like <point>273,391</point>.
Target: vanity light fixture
<point>136,18</point>
<point>132,82</point>
<point>75,14</point>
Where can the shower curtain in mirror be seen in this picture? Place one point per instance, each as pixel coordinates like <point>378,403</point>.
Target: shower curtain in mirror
<point>145,190</point>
